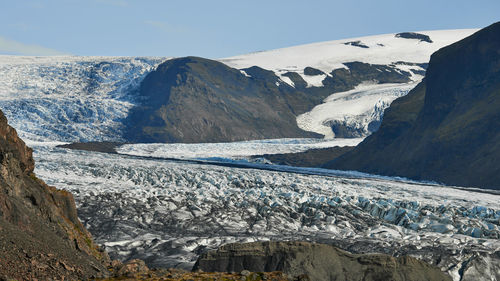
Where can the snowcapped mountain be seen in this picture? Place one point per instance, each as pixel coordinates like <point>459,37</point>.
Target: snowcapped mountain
<point>450,121</point>
<point>383,49</point>
<point>356,112</point>
<point>88,98</point>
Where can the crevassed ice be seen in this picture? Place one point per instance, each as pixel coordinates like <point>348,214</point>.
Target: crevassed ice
<point>70,98</point>
<point>167,212</point>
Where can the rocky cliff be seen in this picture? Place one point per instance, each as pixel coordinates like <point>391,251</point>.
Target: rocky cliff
<point>40,234</point>
<point>317,261</point>
<point>447,128</point>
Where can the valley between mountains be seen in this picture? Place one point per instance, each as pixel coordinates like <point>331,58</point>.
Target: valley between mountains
<point>178,156</point>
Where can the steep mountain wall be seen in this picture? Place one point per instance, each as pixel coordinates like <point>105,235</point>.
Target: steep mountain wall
<point>447,128</point>
<point>40,234</point>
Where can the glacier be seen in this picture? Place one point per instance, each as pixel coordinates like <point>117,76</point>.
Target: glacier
<point>141,203</point>
<point>231,150</point>
<point>167,212</point>
<point>357,113</point>
<point>70,98</point>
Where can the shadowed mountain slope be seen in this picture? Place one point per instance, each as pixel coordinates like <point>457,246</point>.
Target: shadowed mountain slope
<point>447,128</point>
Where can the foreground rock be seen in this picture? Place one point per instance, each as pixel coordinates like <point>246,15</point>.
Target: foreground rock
<point>317,261</point>
<point>41,236</point>
<point>447,128</point>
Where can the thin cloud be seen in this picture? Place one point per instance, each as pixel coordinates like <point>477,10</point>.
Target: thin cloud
<point>118,3</point>
<point>12,47</point>
<point>166,27</point>
<point>22,26</point>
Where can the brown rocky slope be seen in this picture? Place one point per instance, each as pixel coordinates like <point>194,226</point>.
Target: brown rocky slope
<point>41,236</point>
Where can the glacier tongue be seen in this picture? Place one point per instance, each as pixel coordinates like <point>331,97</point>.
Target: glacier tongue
<point>354,113</point>
<point>168,212</point>
<point>70,98</point>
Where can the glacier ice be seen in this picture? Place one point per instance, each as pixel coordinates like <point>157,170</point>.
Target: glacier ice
<point>70,98</point>
<point>167,212</point>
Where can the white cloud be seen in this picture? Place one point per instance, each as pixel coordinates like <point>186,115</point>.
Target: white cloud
<point>12,47</point>
<point>166,27</point>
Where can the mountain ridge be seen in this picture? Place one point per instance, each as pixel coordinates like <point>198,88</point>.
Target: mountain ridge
<point>446,129</point>
<point>194,99</point>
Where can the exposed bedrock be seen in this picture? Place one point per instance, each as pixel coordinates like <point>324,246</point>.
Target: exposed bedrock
<point>40,234</point>
<point>446,129</point>
<point>317,261</point>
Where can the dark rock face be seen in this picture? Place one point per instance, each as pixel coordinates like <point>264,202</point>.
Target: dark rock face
<point>105,147</point>
<point>342,79</point>
<point>297,80</point>
<point>357,44</point>
<point>317,261</point>
<point>310,71</point>
<point>414,35</point>
<point>311,158</point>
<point>447,128</point>
<point>40,234</point>
<point>199,100</point>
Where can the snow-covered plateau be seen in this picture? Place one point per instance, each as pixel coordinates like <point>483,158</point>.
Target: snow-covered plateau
<point>140,203</point>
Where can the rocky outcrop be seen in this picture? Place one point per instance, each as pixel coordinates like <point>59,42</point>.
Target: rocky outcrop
<point>200,100</point>
<point>310,158</point>
<point>317,261</point>
<point>414,35</point>
<point>40,234</point>
<point>446,129</point>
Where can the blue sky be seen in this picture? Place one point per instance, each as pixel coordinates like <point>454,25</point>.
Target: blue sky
<point>216,29</point>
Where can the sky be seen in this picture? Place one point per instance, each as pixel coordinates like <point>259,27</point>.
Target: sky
<point>217,28</point>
